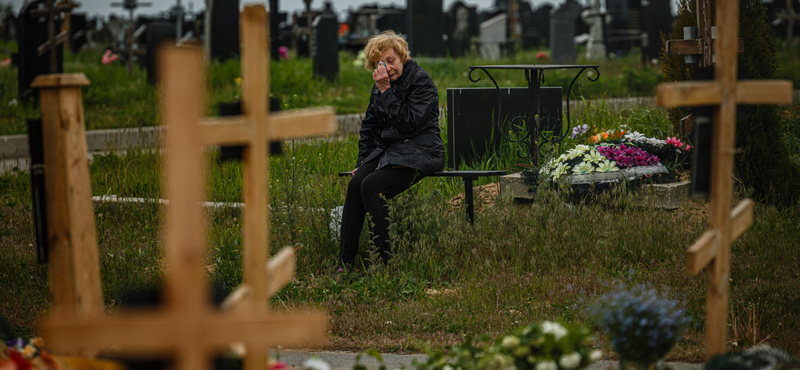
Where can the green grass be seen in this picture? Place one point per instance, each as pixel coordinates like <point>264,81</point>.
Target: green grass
<point>449,280</point>
<point>292,81</point>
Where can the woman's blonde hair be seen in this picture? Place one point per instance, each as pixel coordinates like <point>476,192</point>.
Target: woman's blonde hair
<point>378,44</point>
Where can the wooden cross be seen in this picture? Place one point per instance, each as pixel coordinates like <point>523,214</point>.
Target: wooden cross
<point>724,93</point>
<point>189,327</point>
<point>703,44</point>
<point>130,38</point>
<point>51,10</point>
<point>790,16</point>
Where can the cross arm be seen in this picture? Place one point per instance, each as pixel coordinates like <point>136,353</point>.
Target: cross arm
<point>282,126</point>
<point>702,252</point>
<point>151,333</point>
<point>60,38</point>
<point>688,94</point>
<point>741,218</point>
<point>280,270</point>
<point>764,92</point>
<point>60,8</point>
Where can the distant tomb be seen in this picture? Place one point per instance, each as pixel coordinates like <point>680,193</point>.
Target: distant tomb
<point>562,32</point>
<point>494,37</point>
<point>425,27</point>
<point>462,26</point>
<point>222,30</point>
<point>325,51</point>
<point>33,33</point>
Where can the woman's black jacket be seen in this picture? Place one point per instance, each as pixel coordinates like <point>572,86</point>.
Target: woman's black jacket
<point>401,126</point>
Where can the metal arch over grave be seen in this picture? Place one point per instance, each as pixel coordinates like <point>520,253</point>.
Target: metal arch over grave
<point>724,93</point>
<point>188,327</point>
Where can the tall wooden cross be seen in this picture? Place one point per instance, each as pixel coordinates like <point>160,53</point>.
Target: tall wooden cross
<point>52,10</point>
<point>702,44</point>
<point>130,38</point>
<point>724,93</point>
<point>189,328</point>
<point>790,16</point>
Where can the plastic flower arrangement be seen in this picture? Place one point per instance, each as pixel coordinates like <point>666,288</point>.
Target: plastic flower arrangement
<point>545,345</point>
<point>643,325</point>
<point>607,135</point>
<point>19,354</point>
<point>627,156</point>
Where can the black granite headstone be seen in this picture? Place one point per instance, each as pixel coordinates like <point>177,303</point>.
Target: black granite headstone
<point>158,34</point>
<point>562,32</point>
<point>462,26</point>
<point>77,31</point>
<point>540,25</point>
<point>274,30</point>
<point>9,27</point>
<point>32,34</point>
<point>471,120</point>
<point>224,37</point>
<point>656,19</point>
<point>394,20</point>
<point>325,53</point>
<point>425,27</point>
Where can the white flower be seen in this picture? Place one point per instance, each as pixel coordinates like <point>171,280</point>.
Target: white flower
<point>547,365</point>
<point>570,361</point>
<point>316,364</point>
<point>583,168</point>
<point>554,328</point>
<point>583,147</point>
<point>608,166</point>
<point>594,156</point>
<point>560,171</point>
<point>574,153</point>
<point>510,341</point>
<point>636,135</point>
<point>596,355</point>
<point>447,367</point>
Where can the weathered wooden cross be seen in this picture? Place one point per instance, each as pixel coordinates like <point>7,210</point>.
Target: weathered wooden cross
<point>130,37</point>
<point>703,44</point>
<point>724,92</point>
<point>189,327</point>
<point>51,10</point>
<point>790,16</point>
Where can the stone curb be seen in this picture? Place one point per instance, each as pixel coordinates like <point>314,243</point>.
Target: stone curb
<point>346,360</point>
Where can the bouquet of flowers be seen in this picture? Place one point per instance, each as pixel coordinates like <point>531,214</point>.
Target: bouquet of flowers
<point>643,326</point>
<point>21,354</point>
<point>545,345</point>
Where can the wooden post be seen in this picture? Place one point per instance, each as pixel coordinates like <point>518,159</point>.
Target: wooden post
<point>724,93</point>
<point>704,44</point>
<point>74,272</point>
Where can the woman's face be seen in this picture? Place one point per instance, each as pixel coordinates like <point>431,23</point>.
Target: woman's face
<point>394,66</point>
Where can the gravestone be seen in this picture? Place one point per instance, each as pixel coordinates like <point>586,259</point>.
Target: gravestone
<point>223,29</point>
<point>425,27</point>
<point>158,33</point>
<point>656,20</point>
<point>494,37</point>
<point>391,19</point>
<point>78,31</point>
<point>274,31</point>
<point>9,27</point>
<point>325,50</point>
<point>539,26</point>
<point>596,18</point>
<point>471,119</point>
<point>32,34</point>
<point>462,26</point>
<point>562,32</point>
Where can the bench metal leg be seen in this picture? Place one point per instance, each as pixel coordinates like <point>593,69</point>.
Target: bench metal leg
<point>468,197</point>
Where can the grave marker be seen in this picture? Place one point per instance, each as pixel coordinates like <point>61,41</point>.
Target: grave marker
<point>494,37</point>
<point>562,32</point>
<point>325,50</point>
<point>222,29</point>
<point>425,27</point>
<point>462,26</point>
<point>698,41</point>
<point>790,16</point>
<point>74,271</point>
<point>188,327</point>
<point>724,93</point>
<point>130,38</point>
<point>34,32</point>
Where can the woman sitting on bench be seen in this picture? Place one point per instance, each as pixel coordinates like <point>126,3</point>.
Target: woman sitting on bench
<point>400,142</point>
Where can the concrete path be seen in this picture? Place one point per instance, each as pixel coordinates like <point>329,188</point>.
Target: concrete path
<point>346,360</point>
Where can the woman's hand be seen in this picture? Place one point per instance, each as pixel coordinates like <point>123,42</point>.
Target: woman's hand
<point>353,172</point>
<point>381,77</point>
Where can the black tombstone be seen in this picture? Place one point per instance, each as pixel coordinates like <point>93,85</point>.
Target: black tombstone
<point>9,27</point>
<point>224,37</point>
<point>274,31</point>
<point>32,34</point>
<point>471,119</point>
<point>425,27</point>
<point>158,34</point>
<point>78,26</point>
<point>656,20</point>
<point>392,19</point>
<point>325,50</point>
<point>462,26</point>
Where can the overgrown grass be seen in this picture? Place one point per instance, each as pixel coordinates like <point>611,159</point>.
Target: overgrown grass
<point>292,81</point>
<point>449,280</point>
